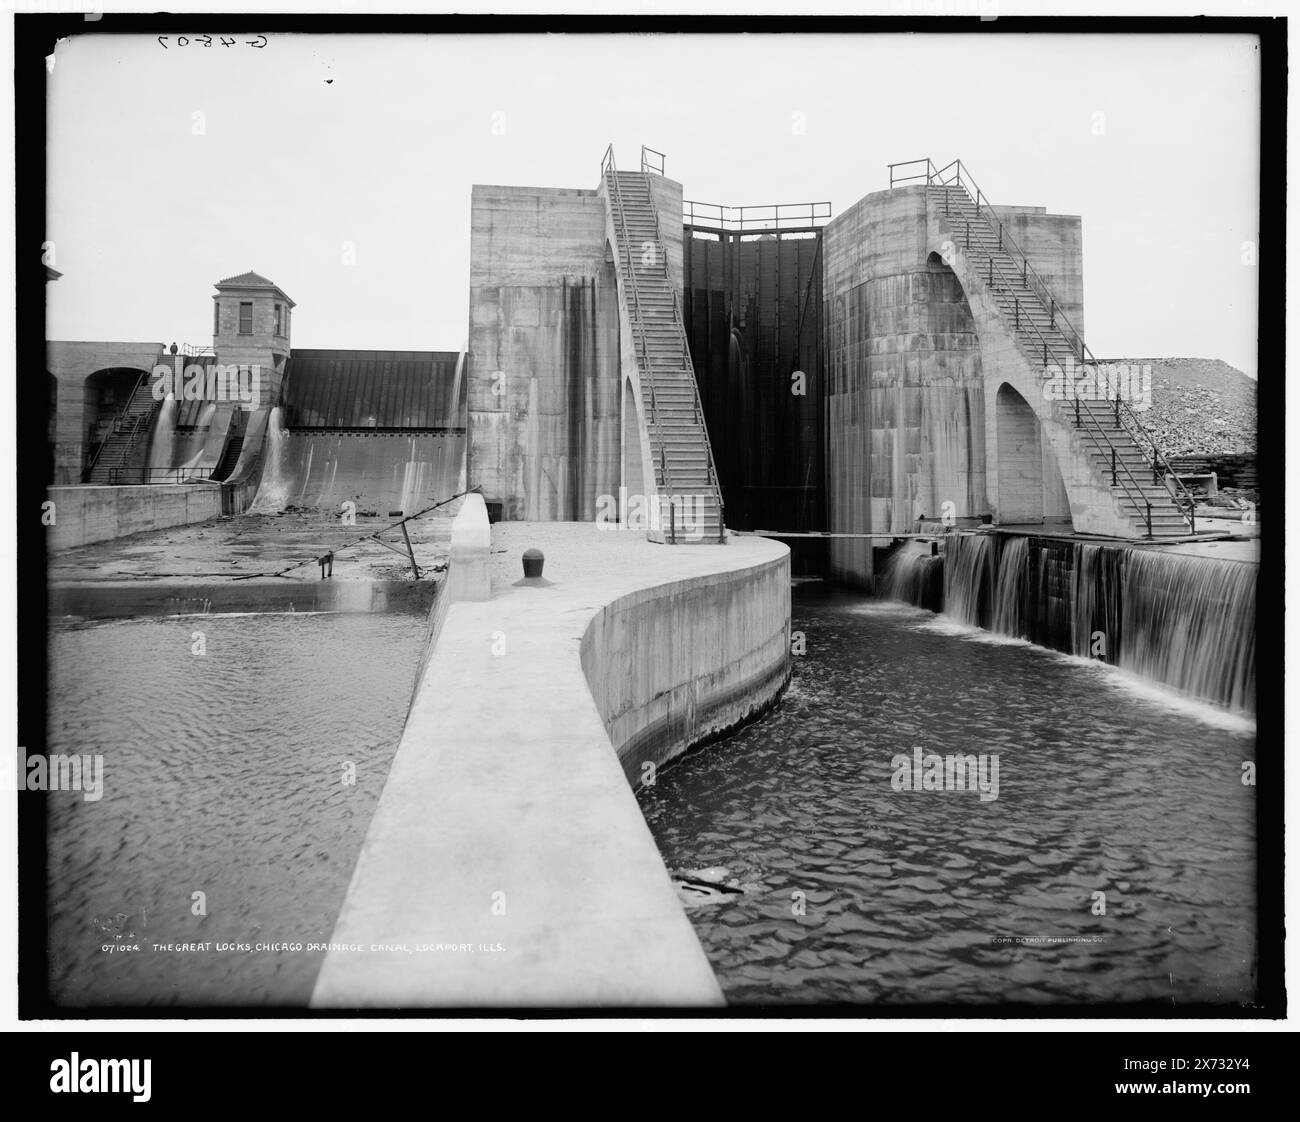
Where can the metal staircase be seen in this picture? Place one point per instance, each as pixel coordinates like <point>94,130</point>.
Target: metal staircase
<point>679,440</point>
<point>112,463</point>
<point>1120,449</point>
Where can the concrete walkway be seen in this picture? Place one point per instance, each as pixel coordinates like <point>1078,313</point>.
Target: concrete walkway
<point>508,863</point>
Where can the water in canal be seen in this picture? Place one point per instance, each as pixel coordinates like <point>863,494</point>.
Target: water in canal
<point>238,785</point>
<point>1112,793</point>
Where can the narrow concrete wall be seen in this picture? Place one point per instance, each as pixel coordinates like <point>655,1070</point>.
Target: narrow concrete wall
<point>508,863</point>
<point>676,664</point>
<point>129,599</point>
<point>95,514</point>
<point>468,576</point>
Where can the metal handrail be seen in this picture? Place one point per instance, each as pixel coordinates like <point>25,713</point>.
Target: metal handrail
<point>178,475</point>
<point>958,174</point>
<point>695,386</point>
<point>806,216</point>
<point>609,172</point>
<point>648,165</point>
<point>927,174</point>
<point>1129,485</point>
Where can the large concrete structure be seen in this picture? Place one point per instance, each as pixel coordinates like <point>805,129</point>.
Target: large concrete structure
<point>381,430</point>
<point>626,364</point>
<point>582,401</point>
<point>938,405</point>
<point>544,401</point>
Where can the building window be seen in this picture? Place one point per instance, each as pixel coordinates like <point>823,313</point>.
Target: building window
<point>216,318</point>
<point>278,324</point>
<point>246,317</point>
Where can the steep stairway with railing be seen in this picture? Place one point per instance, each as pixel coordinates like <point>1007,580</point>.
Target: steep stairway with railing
<point>1122,453</point>
<point>683,459</point>
<point>117,459</point>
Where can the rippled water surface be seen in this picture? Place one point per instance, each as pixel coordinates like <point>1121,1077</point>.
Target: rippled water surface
<point>913,897</point>
<point>223,775</point>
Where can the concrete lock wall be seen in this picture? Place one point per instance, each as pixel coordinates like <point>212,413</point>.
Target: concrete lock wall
<point>675,664</point>
<point>543,362</point>
<point>508,863</point>
<point>905,410</point>
<point>88,514</point>
<point>913,370</point>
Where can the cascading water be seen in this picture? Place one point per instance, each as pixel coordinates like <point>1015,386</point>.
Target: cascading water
<point>272,492</point>
<point>1190,622</point>
<point>913,575</point>
<point>163,445</point>
<point>967,576</point>
<point>1009,587</point>
<point>196,444</point>
<point>1187,622</point>
<point>1098,582</point>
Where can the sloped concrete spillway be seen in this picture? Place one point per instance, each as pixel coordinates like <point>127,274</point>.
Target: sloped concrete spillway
<point>384,431</point>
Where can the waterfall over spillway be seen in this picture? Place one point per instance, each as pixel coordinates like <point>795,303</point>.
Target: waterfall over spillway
<point>1190,622</point>
<point>915,576</point>
<point>1182,620</point>
<point>379,473</point>
<point>163,445</point>
<point>272,492</point>
<point>967,577</point>
<point>1010,586</point>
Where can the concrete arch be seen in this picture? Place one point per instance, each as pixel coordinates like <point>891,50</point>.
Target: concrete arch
<point>1020,458</point>
<point>1071,492</point>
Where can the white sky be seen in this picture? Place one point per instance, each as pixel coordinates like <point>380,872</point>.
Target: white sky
<point>145,214</point>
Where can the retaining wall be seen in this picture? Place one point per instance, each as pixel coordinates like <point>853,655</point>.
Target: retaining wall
<point>88,514</point>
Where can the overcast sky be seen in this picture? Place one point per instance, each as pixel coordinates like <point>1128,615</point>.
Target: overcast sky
<point>171,168</point>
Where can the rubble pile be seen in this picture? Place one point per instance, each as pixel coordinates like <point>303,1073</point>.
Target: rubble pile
<point>1200,406</point>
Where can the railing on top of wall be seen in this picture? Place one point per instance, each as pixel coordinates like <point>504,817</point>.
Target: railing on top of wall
<point>769,217</point>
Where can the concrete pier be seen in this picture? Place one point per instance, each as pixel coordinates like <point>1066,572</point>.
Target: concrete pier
<point>508,863</point>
